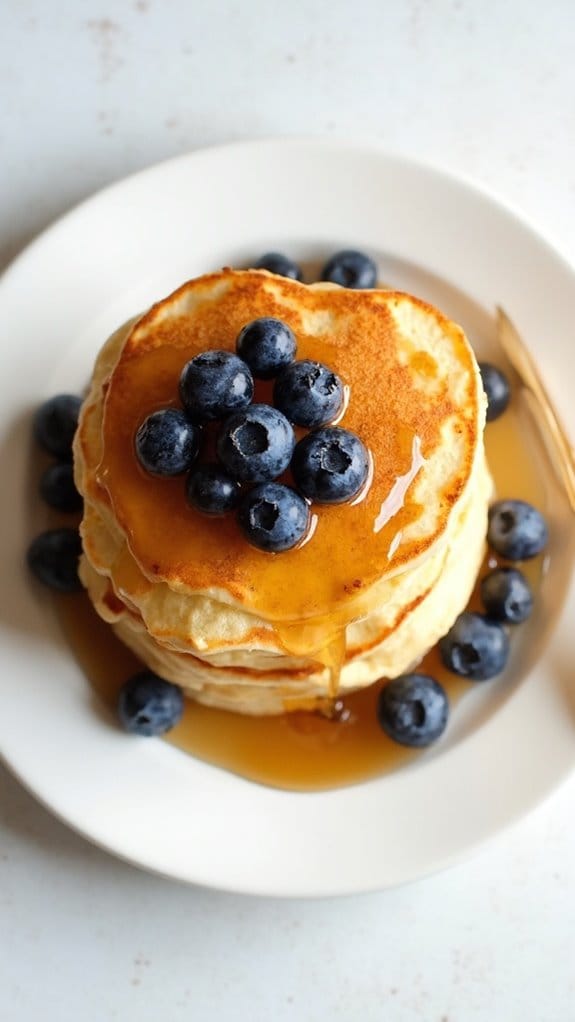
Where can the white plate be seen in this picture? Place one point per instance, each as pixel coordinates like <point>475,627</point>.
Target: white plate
<point>144,800</point>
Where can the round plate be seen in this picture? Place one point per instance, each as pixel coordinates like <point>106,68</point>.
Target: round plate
<point>111,257</point>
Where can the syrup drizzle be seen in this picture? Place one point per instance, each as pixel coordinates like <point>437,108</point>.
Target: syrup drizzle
<point>396,496</point>
<point>322,640</point>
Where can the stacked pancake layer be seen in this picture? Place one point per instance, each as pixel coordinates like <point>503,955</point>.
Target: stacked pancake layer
<point>376,584</point>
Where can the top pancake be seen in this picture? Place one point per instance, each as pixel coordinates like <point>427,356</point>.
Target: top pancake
<point>413,387</point>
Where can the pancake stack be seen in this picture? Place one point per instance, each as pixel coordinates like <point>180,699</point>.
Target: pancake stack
<point>376,583</point>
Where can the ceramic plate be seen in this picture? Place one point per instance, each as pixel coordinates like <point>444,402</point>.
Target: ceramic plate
<point>508,744</point>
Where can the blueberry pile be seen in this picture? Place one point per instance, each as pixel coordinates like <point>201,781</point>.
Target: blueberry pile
<point>255,444</point>
<point>413,709</point>
<point>53,556</point>
<point>477,645</point>
<point>348,268</point>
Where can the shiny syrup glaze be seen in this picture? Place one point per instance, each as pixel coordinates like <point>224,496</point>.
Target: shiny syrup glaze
<point>304,751</point>
<point>174,544</point>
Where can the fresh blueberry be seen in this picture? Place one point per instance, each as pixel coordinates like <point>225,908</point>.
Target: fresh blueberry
<point>55,423</point>
<point>350,269</point>
<point>257,444</point>
<point>212,490</point>
<point>496,387</point>
<point>275,262</point>
<point>475,647</point>
<point>148,705</point>
<point>413,710</point>
<point>167,443</point>
<point>267,345</point>
<point>273,517</point>
<point>309,393</point>
<point>57,488</point>
<point>53,558</point>
<point>215,384</point>
<point>506,595</point>
<point>516,530</point>
<point>330,465</point>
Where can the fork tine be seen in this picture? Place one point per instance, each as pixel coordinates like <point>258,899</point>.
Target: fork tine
<point>554,434</point>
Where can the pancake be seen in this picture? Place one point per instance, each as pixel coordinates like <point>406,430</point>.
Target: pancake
<point>385,643</point>
<point>263,632</point>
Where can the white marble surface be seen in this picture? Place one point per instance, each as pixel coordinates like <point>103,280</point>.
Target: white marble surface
<point>94,90</point>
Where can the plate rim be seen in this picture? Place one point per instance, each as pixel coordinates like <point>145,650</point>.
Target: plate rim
<point>360,147</point>
<point>356,142</point>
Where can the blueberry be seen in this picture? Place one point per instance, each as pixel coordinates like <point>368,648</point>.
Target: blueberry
<point>53,558</point>
<point>215,384</point>
<point>273,517</point>
<point>506,595</point>
<point>350,269</point>
<point>58,490</point>
<point>413,710</point>
<point>55,423</point>
<point>475,647</point>
<point>212,490</point>
<point>167,443</point>
<point>257,444</point>
<point>267,345</point>
<point>496,387</point>
<point>516,530</point>
<point>330,465</point>
<point>148,705</point>
<point>309,393</point>
<point>275,262</point>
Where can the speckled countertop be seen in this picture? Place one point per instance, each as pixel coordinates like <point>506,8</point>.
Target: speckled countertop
<point>90,92</point>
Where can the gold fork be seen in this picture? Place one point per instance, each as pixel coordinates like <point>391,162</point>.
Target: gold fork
<point>554,435</point>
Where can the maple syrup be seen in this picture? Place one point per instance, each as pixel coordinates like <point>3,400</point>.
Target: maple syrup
<point>402,424</point>
<point>307,751</point>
